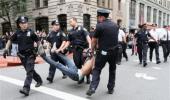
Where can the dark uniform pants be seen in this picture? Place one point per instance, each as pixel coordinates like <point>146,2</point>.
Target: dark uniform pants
<point>122,50</point>
<point>142,51</point>
<point>152,46</point>
<point>52,69</point>
<point>100,62</point>
<point>28,63</point>
<point>166,48</point>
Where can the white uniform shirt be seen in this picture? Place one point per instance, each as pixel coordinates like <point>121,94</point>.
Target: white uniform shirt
<point>154,34</point>
<point>163,34</point>
<point>121,35</point>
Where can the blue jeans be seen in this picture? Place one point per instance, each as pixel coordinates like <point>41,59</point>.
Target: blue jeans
<point>70,69</point>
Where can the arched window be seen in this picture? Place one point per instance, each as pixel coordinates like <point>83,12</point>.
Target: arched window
<point>63,22</point>
<point>86,21</point>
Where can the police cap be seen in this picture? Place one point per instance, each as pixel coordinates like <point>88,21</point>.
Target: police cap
<point>22,19</point>
<point>103,12</point>
<point>55,22</point>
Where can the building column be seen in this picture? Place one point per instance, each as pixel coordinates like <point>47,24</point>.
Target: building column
<point>106,3</point>
<point>145,13</point>
<point>151,15</point>
<point>111,4</point>
<point>137,14</point>
<point>100,2</point>
<point>127,15</point>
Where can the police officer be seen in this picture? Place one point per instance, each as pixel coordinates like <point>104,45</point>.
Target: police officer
<point>57,40</point>
<point>165,42</point>
<point>154,44</point>
<point>79,38</point>
<point>106,36</point>
<point>142,43</point>
<point>25,38</point>
<point>122,46</point>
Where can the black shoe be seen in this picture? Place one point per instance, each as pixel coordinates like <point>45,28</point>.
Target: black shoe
<point>126,59</point>
<point>140,63</point>
<point>145,64</point>
<point>64,77</point>
<point>118,63</point>
<point>50,79</point>
<point>80,81</point>
<point>110,91</point>
<point>88,80</point>
<point>90,92</point>
<point>158,62</point>
<point>38,84</point>
<point>150,60</point>
<point>165,59</point>
<point>24,91</point>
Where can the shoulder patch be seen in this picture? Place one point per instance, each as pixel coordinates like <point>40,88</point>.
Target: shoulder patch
<point>28,33</point>
<point>84,29</point>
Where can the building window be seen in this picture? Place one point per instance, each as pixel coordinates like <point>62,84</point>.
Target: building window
<point>141,13</point>
<point>148,14</point>
<point>45,3</point>
<point>155,16</point>
<point>160,18</point>
<point>37,4</point>
<point>119,4</point>
<point>168,19</point>
<point>103,3</point>
<point>22,6</point>
<point>164,19</point>
<point>6,27</point>
<point>160,2</point>
<point>132,12</point>
<point>86,21</point>
<point>42,24</point>
<point>63,22</point>
<point>87,1</point>
<point>62,1</point>
<point>98,3</point>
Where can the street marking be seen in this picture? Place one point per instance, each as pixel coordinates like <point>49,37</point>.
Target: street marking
<point>157,68</point>
<point>42,89</point>
<point>145,76</point>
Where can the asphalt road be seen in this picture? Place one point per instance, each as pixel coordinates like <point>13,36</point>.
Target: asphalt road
<point>133,82</point>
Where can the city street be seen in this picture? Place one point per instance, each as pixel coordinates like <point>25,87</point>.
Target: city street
<point>133,82</point>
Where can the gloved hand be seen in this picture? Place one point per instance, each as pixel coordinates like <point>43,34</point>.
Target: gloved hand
<point>5,53</point>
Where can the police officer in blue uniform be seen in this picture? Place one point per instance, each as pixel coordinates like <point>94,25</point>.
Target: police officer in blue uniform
<point>142,43</point>
<point>56,38</point>
<point>106,36</point>
<point>79,38</point>
<point>25,38</point>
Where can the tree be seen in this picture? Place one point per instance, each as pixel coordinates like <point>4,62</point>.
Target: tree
<point>9,9</point>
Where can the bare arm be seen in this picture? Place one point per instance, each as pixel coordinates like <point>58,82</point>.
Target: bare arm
<point>89,41</point>
<point>8,45</point>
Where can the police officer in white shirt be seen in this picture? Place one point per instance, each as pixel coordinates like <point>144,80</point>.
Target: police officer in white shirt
<point>122,46</point>
<point>165,42</point>
<point>153,44</point>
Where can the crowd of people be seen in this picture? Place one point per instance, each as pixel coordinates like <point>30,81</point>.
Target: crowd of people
<point>91,50</point>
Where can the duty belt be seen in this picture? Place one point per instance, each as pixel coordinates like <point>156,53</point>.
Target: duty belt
<point>109,51</point>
